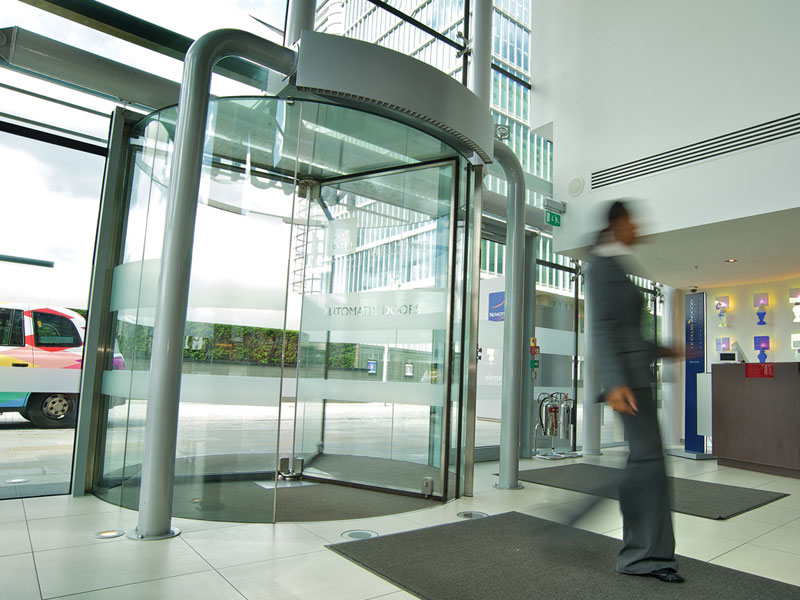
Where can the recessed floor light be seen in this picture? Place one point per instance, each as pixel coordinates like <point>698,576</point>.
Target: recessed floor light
<point>731,260</point>
<point>17,480</point>
<point>107,535</point>
<point>359,534</point>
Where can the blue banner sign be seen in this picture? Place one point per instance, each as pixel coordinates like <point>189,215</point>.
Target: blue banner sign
<point>695,363</point>
<point>497,306</point>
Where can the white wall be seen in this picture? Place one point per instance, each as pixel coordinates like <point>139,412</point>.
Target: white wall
<point>623,80</point>
<point>741,320</point>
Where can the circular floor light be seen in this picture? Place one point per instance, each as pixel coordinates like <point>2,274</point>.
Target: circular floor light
<point>472,514</point>
<point>359,534</point>
<point>109,534</point>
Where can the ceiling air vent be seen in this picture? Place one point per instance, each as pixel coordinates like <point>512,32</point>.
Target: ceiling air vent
<point>710,148</point>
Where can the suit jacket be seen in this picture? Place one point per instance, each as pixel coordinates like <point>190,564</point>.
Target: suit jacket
<point>622,356</point>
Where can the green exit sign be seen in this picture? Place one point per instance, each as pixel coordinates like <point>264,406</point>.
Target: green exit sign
<point>553,219</point>
<point>534,364</point>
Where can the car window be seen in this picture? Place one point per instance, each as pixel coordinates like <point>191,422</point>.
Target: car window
<point>52,330</point>
<point>11,329</point>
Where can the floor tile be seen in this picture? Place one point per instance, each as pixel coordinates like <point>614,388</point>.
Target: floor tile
<point>86,568</point>
<point>14,538</point>
<point>788,485</point>
<point>48,507</point>
<point>334,578</point>
<point>771,513</point>
<point>401,595</point>
<point>331,531</point>
<point>742,530</point>
<point>209,585</point>
<point>78,530</point>
<point>252,543</point>
<point>11,510</point>
<point>737,477</point>
<point>597,520</point>
<point>702,546</point>
<point>765,562</point>
<point>785,539</point>
<point>18,577</point>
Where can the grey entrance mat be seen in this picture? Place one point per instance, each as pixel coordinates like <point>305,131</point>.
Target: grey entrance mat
<point>515,556</point>
<point>249,502</point>
<point>699,498</point>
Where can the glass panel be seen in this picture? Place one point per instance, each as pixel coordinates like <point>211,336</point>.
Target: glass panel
<point>555,335</point>
<point>371,381</point>
<point>363,259</point>
<point>490,365</point>
<point>45,263</point>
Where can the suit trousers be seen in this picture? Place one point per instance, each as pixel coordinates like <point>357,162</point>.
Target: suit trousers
<point>648,542</point>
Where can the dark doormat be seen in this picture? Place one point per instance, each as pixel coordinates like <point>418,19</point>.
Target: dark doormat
<point>699,498</point>
<point>249,502</point>
<point>514,556</point>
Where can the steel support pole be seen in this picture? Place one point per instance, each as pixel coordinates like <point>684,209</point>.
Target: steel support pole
<point>471,348</point>
<point>591,389</point>
<point>513,324</point>
<point>526,415</point>
<point>161,425</point>
<point>672,370</point>
<point>300,15</point>
<point>481,75</point>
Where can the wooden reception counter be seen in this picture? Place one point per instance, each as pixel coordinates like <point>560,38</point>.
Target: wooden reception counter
<point>755,418</point>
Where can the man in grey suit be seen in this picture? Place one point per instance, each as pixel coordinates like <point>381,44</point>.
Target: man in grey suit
<point>624,357</point>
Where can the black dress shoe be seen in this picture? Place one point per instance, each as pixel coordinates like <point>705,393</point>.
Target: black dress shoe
<point>666,575</point>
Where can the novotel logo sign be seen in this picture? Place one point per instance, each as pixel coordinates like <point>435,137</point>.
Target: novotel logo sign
<point>497,306</point>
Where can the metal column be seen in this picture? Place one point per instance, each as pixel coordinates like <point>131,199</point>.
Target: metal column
<point>481,71</point>
<point>513,324</point>
<point>672,370</point>
<point>300,15</point>
<point>98,349</point>
<point>471,347</point>
<point>591,390</point>
<point>527,413</point>
<point>161,426</point>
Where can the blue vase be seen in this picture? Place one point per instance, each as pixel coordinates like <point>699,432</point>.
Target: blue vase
<point>762,356</point>
<point>761,313</point>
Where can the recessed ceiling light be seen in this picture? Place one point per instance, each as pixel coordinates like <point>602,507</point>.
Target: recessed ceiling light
<point>731,260</point>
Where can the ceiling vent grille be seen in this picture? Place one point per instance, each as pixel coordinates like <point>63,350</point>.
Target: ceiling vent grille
<point>699,151</point>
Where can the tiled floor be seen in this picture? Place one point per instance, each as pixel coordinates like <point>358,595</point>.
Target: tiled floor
<point>47,549</point>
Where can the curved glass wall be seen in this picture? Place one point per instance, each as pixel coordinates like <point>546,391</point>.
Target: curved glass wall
<point>323,332</point>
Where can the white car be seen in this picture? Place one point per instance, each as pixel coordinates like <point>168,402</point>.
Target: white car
<point>41,348</point>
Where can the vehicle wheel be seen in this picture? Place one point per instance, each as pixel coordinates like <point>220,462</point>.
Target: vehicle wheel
<point>24,414</point>
<point>52,411</point>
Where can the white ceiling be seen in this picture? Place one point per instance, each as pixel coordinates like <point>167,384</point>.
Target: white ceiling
<point>766,247</point>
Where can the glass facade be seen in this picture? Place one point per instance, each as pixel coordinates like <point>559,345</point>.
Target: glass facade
<point>50,210</point>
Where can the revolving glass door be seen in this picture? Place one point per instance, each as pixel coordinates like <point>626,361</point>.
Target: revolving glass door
<point>324,319</point>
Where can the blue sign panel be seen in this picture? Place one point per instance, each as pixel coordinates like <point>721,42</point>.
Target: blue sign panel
<point>497,306</point>
<point>372,367</point>
<point>695,363</point>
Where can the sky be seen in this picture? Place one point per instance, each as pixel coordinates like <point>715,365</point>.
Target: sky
<point>50,195</point>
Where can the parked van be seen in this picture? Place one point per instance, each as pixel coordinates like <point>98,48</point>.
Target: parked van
<point>41,354</point>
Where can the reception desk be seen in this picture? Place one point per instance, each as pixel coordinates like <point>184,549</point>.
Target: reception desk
<point>756,417</point>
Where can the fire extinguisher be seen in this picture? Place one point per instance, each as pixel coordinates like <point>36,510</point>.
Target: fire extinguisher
<point>564,425</point>
<point>548,416</point>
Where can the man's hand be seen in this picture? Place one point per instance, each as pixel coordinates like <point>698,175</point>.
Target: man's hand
<point>622,400</point>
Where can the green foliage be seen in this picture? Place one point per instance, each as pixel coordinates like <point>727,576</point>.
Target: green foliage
<point>342,356</point>
<point>229,343</point>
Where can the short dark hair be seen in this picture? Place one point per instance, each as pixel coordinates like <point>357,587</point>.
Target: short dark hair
<point>617,211</point>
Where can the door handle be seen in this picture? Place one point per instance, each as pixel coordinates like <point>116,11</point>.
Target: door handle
<point>19,364</point>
